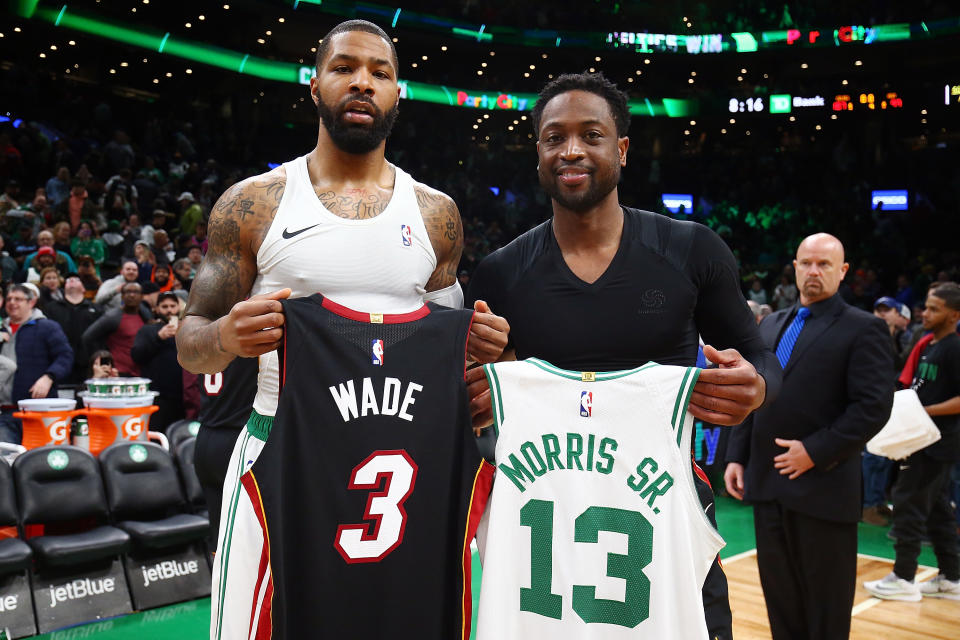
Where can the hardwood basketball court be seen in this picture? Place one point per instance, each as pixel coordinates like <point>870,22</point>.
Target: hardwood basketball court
<point>929,619</point>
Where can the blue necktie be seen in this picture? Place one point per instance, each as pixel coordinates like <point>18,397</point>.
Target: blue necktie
<point>785,348</point>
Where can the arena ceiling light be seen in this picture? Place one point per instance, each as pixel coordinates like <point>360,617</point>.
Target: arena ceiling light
<point>244,63</point>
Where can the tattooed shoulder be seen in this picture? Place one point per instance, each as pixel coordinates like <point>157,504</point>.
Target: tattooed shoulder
<point>252,203</point>
<point>442,221</point>
<point>238,222</point>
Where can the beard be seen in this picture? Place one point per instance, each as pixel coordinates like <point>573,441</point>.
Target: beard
<point>357,138</point>
<point>599,185</point>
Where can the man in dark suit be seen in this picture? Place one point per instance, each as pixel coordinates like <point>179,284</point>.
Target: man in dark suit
<point>797,460</point>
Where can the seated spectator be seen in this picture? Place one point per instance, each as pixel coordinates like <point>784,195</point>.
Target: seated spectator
<point>155,351</point>
<point>87,243</point>
<point>199,237</point>
<point>74,313</point>
<point>113,240</point>
<point>76,207</point>
<point>10,198</point>
<point>757,293</point>
<point>897,317</point>
<point>40,351</point>
<point>146,260</point>
<point>88,276</point>
<point>150,293</point>
<point>58,186</point>
<point>47,238</point>
<point>46,258</point>
<point>162,276</point>
<point>50,283</point>
<point>24,243</point>
<point>117,328</point>
<point>131,231</point>
<point>108,296</point>
<point>101,365</point>
<point>159,222</point>
<point>8,266</point>
<point>61,237</point>
<point>191,213</point>
<point>163,247</point>
<point>183,274</point>
<point>195,256</point>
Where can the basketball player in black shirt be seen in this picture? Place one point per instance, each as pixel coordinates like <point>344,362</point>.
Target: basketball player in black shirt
<point>602,287</point>
<point>225,406</point>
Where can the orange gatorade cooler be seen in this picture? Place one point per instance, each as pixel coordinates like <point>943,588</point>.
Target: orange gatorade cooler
<point>116,419</point>
<point>46,421</point>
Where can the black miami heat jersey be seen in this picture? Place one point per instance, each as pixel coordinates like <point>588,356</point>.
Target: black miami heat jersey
<point>370,480</point>
<point>226,397</point>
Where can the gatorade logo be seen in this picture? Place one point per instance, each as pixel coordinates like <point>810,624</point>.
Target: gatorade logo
<point>58,430</point>
<point>132,427</point>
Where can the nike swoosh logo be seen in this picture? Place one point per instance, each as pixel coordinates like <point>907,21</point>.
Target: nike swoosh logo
<point>289,234</point>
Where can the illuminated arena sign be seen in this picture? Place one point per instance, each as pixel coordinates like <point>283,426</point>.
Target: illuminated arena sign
<point>890,200</point>
<point>889,100</point>
<point>951,94</point>
<point>648,42</point>
<point>484,101</point>
<point>673,201</point>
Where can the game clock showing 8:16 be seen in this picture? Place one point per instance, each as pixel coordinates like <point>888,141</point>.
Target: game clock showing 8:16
<point>752,105</point>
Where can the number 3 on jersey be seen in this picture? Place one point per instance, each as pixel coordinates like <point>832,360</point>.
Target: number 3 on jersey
<point>389,476</point>
<point>540,599</point>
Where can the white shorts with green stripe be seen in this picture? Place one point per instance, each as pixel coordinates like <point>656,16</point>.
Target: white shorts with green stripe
<point>242,583</point>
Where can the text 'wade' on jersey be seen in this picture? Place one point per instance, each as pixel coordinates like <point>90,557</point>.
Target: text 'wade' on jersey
<point>594,528</point>
<point>370,479</point>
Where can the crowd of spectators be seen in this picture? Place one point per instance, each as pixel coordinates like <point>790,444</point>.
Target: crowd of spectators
<point>105,203</point>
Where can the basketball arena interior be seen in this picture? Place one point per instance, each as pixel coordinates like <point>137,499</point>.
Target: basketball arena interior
<point>768,123</point>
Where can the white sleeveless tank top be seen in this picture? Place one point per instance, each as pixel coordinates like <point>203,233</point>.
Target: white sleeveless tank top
<point>380,264</point>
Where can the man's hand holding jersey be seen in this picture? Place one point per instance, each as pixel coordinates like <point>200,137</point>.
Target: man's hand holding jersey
<point>254,326</point>
<point>727,394</point>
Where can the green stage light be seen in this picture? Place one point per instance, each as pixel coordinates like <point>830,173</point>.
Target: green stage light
<point>247,64</point>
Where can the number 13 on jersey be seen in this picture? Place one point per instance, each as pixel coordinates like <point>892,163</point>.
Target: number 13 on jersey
<point>540,598</point>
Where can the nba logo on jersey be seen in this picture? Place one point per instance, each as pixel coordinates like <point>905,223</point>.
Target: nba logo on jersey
<point>406,235</point>
<point>586,403</point>
<point>378,352</point>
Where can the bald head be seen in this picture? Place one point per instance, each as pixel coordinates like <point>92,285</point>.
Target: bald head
<point>820,267</point>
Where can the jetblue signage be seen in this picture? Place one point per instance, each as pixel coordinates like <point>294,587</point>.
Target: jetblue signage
<point>162,579</point>
<point>16,607</point>
<point>67,600</point>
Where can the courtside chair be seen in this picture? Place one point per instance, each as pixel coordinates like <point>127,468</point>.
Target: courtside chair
<point>167,560</point>
<point>16,558</point>
<point>77,570</point>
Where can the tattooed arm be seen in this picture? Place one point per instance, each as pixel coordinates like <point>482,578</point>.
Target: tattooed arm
<point>219,323</point>
<point>488,333</point>
<point>442,220</point>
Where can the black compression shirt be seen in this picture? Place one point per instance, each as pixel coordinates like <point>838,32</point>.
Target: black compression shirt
<point>668,282</point>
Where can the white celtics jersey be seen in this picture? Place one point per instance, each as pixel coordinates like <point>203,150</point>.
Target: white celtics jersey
<point>594,527</point>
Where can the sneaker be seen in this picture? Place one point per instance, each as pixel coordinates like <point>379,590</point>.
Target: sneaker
<point>891,587</point>
<point>872,515</point>
<point>940,587</point>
